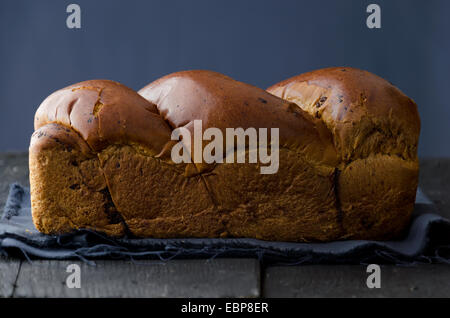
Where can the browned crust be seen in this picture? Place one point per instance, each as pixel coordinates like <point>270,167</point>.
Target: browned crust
<point>100,158</point>
<point>68,188</point>
<point>375,128</point>
<point>365,113</point>
<point>103,113</point>
<point>221,102</point>
<point>73,188</point>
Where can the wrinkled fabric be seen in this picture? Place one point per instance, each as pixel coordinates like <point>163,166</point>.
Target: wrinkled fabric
<point>427,240</point>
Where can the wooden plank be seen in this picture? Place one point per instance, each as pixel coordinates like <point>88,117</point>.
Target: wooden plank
<point>9,270</point>
<point>177,278</point>
<point>350,281</point>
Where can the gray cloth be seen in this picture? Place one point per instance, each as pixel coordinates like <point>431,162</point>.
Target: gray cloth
<point>427,240</point>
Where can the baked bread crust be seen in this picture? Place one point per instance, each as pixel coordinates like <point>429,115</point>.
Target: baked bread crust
<point>100,159</point>
<point>375,130</point>
<point>295,204</point>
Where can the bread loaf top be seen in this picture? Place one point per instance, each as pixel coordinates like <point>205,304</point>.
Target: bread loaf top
<point>104,112</point>
<point>365,113</point>
<point>222,102</point>
<point>328,114</point>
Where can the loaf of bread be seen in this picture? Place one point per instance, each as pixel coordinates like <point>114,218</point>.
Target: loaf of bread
<point>100,158</point>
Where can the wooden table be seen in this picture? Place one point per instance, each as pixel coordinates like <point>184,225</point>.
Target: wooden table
<point>222,277</point>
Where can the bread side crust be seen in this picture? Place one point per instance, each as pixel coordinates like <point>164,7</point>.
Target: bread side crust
<point>156,198</point>
<point>295,204</point>
<point>377,196</point>
<point>68,190</point>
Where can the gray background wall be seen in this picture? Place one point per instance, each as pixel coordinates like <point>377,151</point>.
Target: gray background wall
<point>256,41</point>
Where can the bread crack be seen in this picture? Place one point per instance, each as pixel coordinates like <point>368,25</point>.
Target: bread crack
<point>113,214</point>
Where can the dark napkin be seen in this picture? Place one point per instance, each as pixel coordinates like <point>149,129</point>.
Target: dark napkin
<point>427,240</point>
